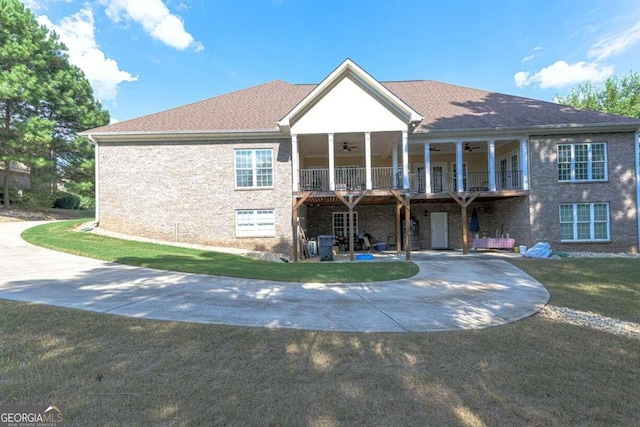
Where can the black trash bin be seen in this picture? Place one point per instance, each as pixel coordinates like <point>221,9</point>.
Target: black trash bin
<point>325,247</point>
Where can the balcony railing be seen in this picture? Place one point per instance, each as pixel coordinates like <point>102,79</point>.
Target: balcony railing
<point>384,178</point>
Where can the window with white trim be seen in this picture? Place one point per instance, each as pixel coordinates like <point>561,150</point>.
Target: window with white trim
<point>254,168</point>
<point>582,162</point>
<point>581,222</point>
<point>255,223</point>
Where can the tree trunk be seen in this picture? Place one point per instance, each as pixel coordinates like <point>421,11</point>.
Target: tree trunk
<point>7,171</point>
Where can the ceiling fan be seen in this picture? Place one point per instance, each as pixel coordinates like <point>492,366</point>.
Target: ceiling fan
<point>468,147</point>
<point>347,147</point>
<point>432,148</point>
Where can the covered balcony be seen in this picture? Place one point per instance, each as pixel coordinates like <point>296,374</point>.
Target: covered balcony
<point>389,160</point>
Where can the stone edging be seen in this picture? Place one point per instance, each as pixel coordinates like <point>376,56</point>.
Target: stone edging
<point>592,320</point>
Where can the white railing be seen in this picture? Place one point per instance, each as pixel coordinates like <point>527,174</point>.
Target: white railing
<point>383,177</point>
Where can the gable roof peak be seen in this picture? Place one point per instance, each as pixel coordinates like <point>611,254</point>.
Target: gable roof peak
<point>348,68</point>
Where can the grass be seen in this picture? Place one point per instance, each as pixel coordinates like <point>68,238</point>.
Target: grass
<point>111,370</point>
<point>603,285</point>
<point>60,236</point>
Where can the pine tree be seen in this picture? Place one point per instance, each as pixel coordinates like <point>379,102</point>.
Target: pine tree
<point>44,101</point>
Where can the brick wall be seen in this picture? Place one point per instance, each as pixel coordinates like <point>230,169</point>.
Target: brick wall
<point>184,191</point>
<point>17,180</point>
<point>379,220</point>
<point>619,191</point>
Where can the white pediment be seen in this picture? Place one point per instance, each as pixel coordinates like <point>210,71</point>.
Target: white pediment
<point>347,107</point>
<point>349,100</point>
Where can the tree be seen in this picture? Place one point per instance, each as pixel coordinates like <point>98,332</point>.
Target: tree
<point>44,101</point>
<point>616,96</point>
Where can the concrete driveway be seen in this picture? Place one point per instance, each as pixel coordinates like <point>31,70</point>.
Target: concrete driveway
<point>449,293</point>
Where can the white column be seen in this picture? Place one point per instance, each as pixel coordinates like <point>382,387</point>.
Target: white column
<point>491,156</point>
<point>394,160</point>
<point>405,160</point>
<point>459,166</point>
<point>295,163</point>
<point>427,168</point>
<point>367,160</point>
<point>332,168</point>
<point>524,159</point>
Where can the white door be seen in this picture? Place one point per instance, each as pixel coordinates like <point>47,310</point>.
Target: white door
<point>508,171</point>
<point>439,230</point>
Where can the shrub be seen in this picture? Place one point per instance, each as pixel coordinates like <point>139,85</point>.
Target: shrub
<point>15,196</point>
<point>36,199</point>
<point>66,201</point>
<point>87,202</point>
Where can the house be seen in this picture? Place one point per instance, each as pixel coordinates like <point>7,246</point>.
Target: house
<point>408,162</point>
<point>19,176</point>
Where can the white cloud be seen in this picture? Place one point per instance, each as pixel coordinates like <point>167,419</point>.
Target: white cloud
<point>532,54</point>
<point>613,44</point>
<point>77,32</point>
<point>560,74</point>
<point>156,20</point>
<point>33,5</point>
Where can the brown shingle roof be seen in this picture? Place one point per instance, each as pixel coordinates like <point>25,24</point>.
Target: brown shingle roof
<point>445,108</point>
<point>256,108</point>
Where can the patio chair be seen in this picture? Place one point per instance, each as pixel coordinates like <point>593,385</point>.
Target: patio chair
<point>391,240</point>
<point>366,244</point>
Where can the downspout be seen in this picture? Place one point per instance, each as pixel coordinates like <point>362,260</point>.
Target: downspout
<point>637,154</point>
<point>96,179</point>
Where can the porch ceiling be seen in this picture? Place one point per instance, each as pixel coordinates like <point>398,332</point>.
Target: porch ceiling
<point>382,143</point>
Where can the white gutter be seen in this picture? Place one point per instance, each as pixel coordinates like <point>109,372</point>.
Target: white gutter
<point>637,153</point>
<point>172,136</point>
<point>96,184</point>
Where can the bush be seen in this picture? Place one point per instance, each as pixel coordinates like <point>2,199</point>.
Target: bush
<point>66,201</point>
<point>87,202</point>
<point>15,196</point>
<point>33,199</point>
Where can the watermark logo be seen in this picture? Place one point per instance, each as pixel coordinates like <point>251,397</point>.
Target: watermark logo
<point>31,416</point>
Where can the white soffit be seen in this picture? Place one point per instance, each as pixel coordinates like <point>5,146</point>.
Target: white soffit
<point>349,100</point>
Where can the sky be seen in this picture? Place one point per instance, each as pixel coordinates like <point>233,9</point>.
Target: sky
<point>145,56</point>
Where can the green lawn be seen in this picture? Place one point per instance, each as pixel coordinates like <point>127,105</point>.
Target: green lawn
<point>59,236</point>
<point>110,370</point>
<point>603,285</point>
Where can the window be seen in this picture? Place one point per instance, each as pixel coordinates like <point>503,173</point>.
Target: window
<point>255,223</point>
<point>254,168</point>
<point>454,174</point>
<point>509,171</point>
<point>341,224</point>
<point>584,222</point>
<point>582,162</point>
